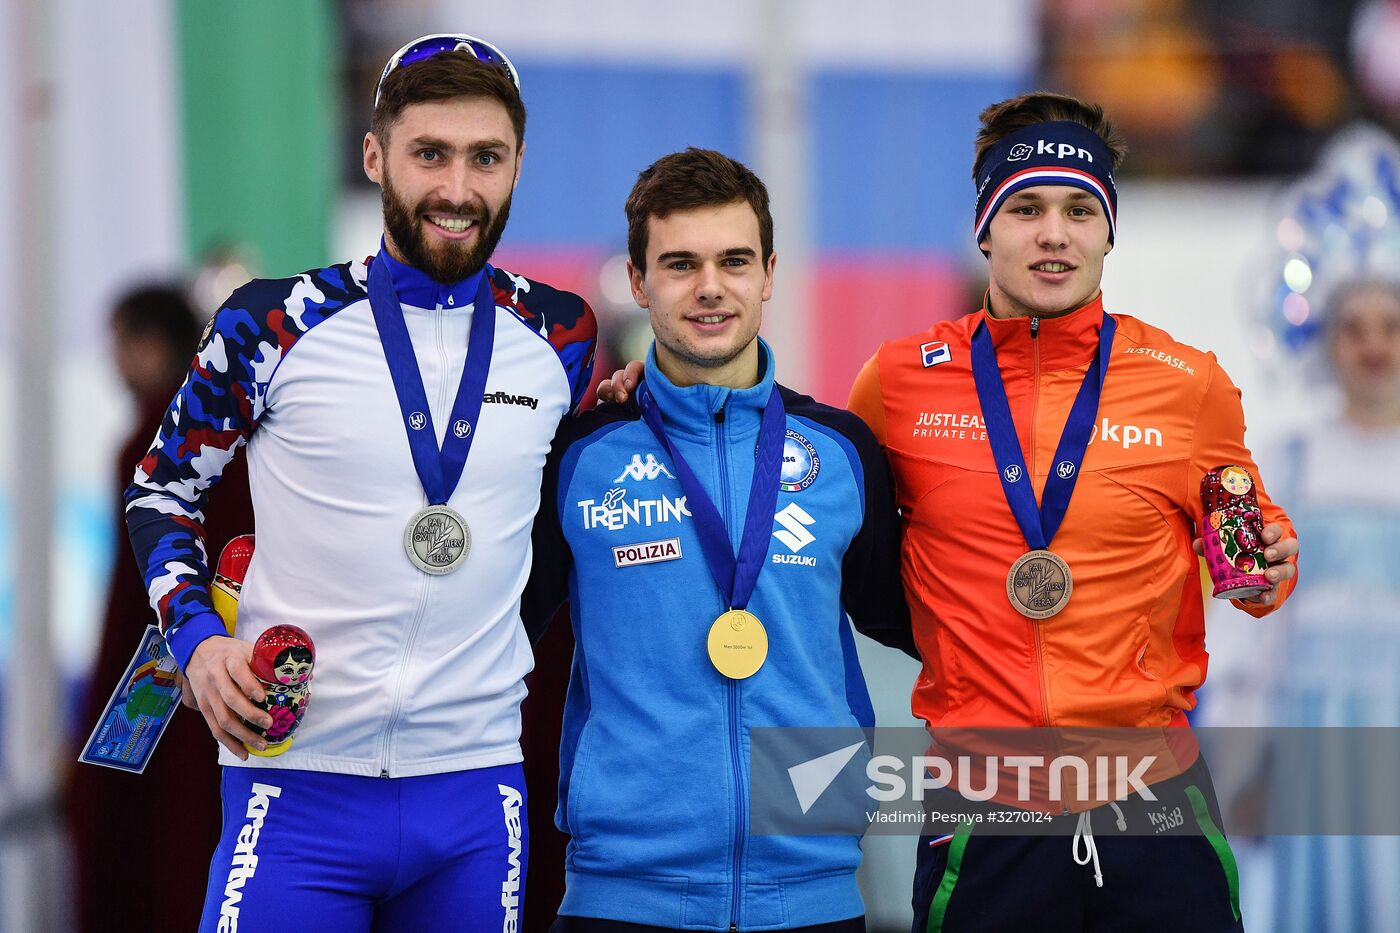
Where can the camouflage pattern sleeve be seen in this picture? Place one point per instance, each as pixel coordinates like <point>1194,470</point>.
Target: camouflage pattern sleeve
<point>213,414</point>
<point>562,318</point>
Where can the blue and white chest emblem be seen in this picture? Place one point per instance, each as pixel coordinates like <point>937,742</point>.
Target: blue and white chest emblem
<point>800,463</point>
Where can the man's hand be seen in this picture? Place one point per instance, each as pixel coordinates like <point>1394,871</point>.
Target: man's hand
<point>222,681</point>
<point>623,381</point>
<point>1276,552</point>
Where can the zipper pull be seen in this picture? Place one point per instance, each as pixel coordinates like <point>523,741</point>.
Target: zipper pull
<point>719,416</point>
<point>1035,327</point>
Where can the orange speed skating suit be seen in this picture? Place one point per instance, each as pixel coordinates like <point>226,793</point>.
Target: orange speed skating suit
<point>1129,648</point>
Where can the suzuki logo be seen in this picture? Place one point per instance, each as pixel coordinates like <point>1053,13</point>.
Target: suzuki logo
<point>794,534</point>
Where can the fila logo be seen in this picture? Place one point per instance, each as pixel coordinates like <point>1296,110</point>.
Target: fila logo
<point>1065,469</point>
<point>639,470</point>
<point>935,352</point>
<point>794,533</point>
<point>461,428</point>
<point>417,421</point>
<point>1012,473</point>
<point>648,552</point>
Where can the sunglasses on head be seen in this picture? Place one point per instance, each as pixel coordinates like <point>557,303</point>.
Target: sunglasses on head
<point>428,46</point>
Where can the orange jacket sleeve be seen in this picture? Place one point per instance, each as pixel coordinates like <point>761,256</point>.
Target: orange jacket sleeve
<point>866,399</point>
<point>1219,441</point>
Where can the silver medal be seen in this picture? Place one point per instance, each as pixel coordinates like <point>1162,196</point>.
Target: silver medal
<point>437,539</point>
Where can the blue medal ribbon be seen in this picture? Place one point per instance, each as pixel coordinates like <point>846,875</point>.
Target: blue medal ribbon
<point>735,578</point>
<point>1038,522</point>
<point>438,470</point>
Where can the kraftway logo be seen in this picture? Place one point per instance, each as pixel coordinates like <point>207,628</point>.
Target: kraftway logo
<point>244,864</point>
<point>510,887</point>
<point>794,535</point>
<point>505,398</point>
<point>639,470</point>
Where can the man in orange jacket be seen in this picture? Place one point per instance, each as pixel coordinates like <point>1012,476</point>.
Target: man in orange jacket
<point>1048,458</point>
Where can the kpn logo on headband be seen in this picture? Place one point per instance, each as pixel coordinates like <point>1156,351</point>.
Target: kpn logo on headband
<point>1022,151</point>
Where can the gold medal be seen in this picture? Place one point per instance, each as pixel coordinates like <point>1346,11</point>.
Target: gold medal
<point>738,644</point>
<point>1039,584</point>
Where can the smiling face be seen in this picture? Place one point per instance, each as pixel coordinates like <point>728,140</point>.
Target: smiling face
<point>704,284</point>
<point>1046,247</point>
<point>447,170</point>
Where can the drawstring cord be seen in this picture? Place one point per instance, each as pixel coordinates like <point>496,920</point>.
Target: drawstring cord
<point>1084,834</point>
<point>1084,837</point>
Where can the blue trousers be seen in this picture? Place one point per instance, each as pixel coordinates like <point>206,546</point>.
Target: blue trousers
<point>313,852</point>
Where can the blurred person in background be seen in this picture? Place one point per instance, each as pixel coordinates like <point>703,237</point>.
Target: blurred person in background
<point>1332,660</point>
<point>397,413</point>
<point>1339,659</point>
<point>137,870</point>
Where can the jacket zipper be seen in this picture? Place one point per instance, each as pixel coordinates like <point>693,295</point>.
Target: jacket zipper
<point>1035,419</point>
<point>396,709</point>
<point>731,688</point>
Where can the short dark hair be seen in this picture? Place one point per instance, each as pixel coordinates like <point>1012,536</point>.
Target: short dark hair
<point>163,312</point>
<point>686,180</point>
<point>442,77</point>
<point>1002,119</point>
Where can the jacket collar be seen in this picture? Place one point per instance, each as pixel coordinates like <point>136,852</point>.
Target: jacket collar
<point>1064,342</point>
<point>417,289</point>
<point>691,410</point>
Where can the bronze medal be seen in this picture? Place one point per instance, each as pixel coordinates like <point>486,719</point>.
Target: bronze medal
<point>1039,584</point>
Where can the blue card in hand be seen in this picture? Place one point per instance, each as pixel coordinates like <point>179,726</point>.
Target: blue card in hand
<point>140,708</point>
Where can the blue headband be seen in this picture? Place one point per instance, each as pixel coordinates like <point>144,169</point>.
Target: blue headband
<point>1054,153</point>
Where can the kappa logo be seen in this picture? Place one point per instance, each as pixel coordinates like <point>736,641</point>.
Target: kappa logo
<point>417,421</point>
<point>1012,473</point>
<point>245,860</point>
<point>935,352</point>
<point>1019,153</point>
<point>640,469</point>
<point>648,552</point>
<point>794,535</point>
<point>616,511</point>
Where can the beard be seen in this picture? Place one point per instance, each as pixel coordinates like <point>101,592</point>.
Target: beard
<point>444,261</point>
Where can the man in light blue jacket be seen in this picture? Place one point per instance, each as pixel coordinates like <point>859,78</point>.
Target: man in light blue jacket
<point>710,537</point>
